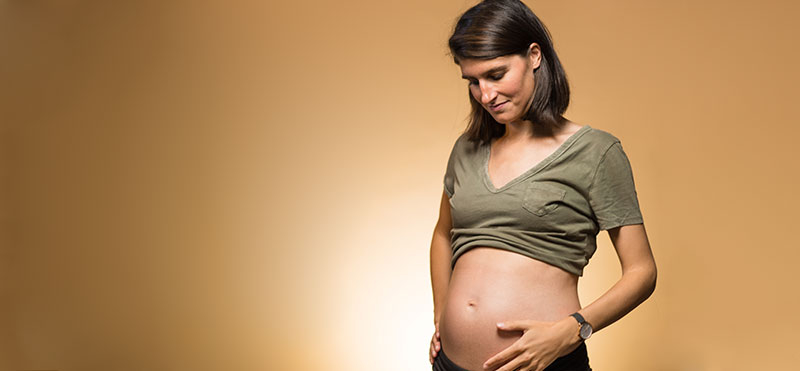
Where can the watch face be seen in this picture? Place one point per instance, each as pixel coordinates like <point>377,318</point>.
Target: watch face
<point>586,331</point>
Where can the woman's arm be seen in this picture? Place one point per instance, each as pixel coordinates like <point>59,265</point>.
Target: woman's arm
<point>441,254</point>
<point>542,342</point>
<point>637,283</point>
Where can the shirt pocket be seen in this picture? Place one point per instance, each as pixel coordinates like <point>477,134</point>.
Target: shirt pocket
<point>542,198</point>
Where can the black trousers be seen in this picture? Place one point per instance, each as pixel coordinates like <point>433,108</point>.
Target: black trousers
<point>577,360</point>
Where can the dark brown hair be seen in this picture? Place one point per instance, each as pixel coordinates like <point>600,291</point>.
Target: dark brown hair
<point>496,28</point>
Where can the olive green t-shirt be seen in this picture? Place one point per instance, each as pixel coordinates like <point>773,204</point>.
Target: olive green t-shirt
<point>553,211</point>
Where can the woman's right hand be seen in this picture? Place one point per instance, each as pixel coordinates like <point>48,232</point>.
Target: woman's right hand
<point>435,344</point>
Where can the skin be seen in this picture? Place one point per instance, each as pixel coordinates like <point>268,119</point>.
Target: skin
<point>530,298</point>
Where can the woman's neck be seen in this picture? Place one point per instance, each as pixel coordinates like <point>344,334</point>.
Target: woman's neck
<point>525,129</point>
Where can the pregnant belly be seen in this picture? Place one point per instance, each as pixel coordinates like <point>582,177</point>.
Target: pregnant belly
<point>490,285</point>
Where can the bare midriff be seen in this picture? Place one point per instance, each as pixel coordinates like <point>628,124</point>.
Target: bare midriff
<point>490,285</point>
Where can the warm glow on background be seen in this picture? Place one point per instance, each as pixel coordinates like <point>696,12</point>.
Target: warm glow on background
<point>254,185</point>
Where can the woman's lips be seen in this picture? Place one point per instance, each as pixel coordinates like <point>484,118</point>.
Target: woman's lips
<point>498,107</point>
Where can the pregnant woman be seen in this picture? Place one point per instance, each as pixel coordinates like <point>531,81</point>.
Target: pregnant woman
<point>526,192</point>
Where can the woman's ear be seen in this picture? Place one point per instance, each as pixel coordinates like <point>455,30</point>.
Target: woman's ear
<point>535,55</point>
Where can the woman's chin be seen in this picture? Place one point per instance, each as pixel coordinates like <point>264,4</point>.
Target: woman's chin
<point>504,117</point>
<point>501,119</point>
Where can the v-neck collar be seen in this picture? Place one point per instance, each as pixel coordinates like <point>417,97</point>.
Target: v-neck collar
<point>487,151</point>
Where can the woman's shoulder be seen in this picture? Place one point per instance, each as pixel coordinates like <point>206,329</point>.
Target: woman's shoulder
<point>463,144</point>
<point>598,140</point>
<point>601,136</point>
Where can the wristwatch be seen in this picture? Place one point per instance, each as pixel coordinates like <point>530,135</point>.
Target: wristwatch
<point>586,328</point>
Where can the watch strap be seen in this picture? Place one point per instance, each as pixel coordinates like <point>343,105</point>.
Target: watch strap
<point>578,317</point>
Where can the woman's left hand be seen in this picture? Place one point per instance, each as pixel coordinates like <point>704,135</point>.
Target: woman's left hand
<point>541,343</point>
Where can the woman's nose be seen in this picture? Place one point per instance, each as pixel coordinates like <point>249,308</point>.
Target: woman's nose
<point>487,93</point>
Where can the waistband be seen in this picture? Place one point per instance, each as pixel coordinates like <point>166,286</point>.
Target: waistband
<point>577,360</point>
<point>442,363</point>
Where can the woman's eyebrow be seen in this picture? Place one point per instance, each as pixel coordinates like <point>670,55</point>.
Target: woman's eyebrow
<point>489,72</point>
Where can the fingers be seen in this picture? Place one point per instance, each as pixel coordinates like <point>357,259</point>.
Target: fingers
<point>501,359</point>
<point>517,325</point>
<point>436,345</point>
<point>523,362</point>
<point>520,363</point>
<point>430,354</point>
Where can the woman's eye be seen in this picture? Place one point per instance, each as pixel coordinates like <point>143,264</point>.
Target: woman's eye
<point>496,77</point>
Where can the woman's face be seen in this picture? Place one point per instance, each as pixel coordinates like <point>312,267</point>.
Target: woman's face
<point>503,85</point>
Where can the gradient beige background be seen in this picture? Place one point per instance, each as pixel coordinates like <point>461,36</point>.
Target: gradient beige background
<point>253,186</point>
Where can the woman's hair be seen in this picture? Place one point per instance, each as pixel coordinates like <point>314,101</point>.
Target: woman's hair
<point>496,28</point>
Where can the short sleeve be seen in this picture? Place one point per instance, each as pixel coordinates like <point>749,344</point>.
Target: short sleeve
<point>449,174</point>
<point>612,193</point>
